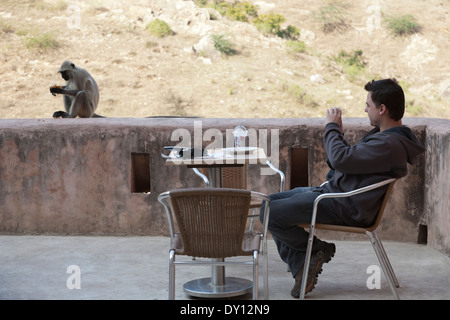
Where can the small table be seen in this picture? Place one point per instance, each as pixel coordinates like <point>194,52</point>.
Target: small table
<point>219,286</point>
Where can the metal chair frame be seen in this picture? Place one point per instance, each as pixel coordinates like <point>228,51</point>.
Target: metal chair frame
<point>370,231</point>
<point>165,199</point>
<point>243,186</point>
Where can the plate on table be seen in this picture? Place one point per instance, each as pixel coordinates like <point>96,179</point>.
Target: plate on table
<point>241,151</point>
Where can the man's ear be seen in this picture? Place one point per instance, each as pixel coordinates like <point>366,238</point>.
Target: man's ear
<point>382,109</point>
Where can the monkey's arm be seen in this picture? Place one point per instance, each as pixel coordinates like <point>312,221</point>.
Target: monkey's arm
<point>72,93</point>
<point>62,90</point>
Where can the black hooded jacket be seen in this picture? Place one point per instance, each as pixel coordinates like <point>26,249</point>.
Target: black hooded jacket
<point>377,157</point>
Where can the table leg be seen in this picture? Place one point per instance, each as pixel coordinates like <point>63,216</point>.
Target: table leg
<point>204,287</point>
<point>218,274</point>
<point>215,177</point>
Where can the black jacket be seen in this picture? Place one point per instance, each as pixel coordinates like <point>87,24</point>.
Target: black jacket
<point>377,157</point>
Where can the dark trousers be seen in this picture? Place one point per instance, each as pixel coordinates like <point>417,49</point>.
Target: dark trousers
<point>287,210</point>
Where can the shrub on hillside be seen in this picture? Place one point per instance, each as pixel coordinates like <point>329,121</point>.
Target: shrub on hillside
<point>271,24</point>
<point>353,63</point>
<point>43,42</point>
<point>223,45</point>
<point>332,17</point>
<point>403,25</point>
<point>159,28</point>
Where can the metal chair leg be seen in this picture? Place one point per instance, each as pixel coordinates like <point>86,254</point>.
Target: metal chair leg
<point>255,275</point>
<point>171,275</point>
<point>266,277</point>
<point>307,261</point>
<point>384,264</point>
<point>265,263</point>
<point>386,259</point>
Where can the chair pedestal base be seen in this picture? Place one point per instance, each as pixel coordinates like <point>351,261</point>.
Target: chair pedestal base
<point>204,289</point>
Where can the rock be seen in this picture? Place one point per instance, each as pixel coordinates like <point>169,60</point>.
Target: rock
<point>419,52</point>
<point>316,79</point>
<point>444,90</point>
<point>307,36</point>
<point>264,7</point>
<point>206,48</point>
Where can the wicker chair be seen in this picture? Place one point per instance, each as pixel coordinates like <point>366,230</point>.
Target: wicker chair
<point>370,231</point>
<point>211,223</point>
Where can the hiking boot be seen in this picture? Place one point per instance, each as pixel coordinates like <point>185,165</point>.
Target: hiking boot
<point>315,268</point>
<point>328,250</point>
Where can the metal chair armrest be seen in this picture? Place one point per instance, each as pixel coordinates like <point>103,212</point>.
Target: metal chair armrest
<point>281,173</point>
<point>347,194</point>
<point>201,175</point>
<point>163,199</point>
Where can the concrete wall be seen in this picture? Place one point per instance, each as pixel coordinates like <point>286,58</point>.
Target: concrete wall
<point>437,186</point>
<point>82,176</point>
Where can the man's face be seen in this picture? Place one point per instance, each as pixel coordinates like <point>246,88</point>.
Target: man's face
<point>372,111</point>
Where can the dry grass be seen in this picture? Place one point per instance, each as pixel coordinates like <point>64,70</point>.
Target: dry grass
<point>266,76</point>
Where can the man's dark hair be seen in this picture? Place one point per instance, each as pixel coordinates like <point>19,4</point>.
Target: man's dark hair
<point>389,93</point>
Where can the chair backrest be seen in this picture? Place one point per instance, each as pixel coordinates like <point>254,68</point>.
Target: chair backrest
<point>235,177</point>
<point>383,206</point>
<point>232,177</point>
<point>211,221</point>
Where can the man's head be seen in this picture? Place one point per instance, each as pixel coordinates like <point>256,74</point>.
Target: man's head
<point>388,94</point>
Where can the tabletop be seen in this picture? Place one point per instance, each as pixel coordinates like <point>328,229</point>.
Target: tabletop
<point>221,157</point>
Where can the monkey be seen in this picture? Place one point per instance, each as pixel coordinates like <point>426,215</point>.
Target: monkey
<point>80,94</point>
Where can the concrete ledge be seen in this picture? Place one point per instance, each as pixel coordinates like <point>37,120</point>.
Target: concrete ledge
<point>83,176</point>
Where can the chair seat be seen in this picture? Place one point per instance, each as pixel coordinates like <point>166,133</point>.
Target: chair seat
<point>332,227</point>
<point>254,204</point>
<point>250,243</point>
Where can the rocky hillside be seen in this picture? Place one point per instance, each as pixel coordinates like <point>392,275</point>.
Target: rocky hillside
<point>184,73</point>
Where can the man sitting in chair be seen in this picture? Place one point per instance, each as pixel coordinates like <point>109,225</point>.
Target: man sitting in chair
<point>382,154</point>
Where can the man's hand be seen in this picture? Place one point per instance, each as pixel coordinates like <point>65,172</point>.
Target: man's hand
<point>335,115</point>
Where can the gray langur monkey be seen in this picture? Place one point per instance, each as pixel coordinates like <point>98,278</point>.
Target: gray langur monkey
<point>81,92</point>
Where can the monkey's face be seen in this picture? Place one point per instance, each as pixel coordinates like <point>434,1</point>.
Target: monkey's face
<point>65,75</point>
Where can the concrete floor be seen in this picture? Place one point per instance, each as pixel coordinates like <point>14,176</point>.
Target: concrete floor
<point>113,268</point>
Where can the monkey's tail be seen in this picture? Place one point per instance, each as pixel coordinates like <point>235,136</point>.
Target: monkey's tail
<point>97,116</point>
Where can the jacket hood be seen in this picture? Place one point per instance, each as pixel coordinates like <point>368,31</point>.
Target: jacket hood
<point>408,140</point>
